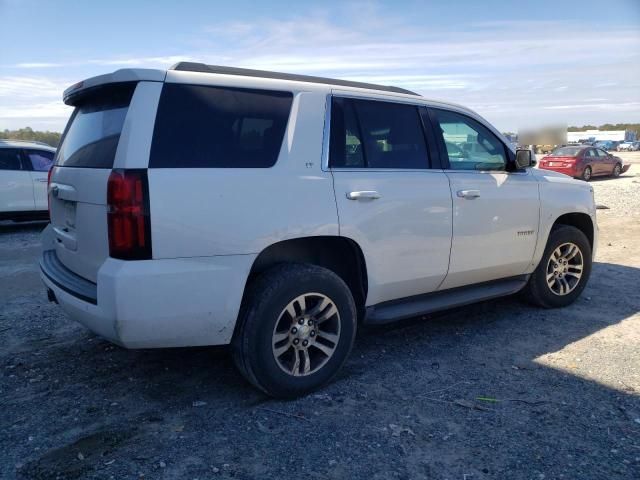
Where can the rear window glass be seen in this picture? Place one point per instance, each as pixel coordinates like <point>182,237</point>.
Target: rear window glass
<point>94,128</point>
<point>566,152</point>
<point>212,127</point>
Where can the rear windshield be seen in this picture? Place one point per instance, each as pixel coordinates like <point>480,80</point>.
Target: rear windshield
<point>213,127</point>
<point>94,128</point>
<point>566,152</point>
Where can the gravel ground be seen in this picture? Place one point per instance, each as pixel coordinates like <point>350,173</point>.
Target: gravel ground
<point>493,391</point>
<point>622,196</point>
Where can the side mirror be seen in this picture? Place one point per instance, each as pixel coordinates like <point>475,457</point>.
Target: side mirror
<point>524,159</point>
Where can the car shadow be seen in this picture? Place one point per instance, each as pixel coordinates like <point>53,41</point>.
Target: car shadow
<point>8,226</point>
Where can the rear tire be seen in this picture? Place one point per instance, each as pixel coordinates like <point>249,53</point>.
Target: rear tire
<point>587,173</point>
<point>563,271</point>
<point>296,329</point>
<point>617,170</point>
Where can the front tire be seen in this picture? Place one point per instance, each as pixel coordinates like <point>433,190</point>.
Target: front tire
<point>617,170</point>
<point>296,329</point>
<point>563,271</point>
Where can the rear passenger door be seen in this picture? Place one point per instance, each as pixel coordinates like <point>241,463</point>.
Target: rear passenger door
<point>16,189</point>
<point>495,211</point>
<point>390,200</point>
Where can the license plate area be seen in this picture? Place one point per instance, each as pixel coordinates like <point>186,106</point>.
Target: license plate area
<point>69,209</point>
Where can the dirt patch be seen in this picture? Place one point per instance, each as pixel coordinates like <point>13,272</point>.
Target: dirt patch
<point>76,460</point>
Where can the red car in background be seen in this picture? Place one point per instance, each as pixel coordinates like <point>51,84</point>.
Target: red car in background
<point>583,161</point>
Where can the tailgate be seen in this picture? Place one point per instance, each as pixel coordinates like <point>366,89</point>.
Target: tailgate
<point>78,186</point>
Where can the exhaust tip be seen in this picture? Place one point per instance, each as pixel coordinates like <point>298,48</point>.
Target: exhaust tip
<point>51,296</point>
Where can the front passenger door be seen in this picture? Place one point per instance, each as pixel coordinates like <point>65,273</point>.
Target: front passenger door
<point>495,212</point>
<point>605,162</point>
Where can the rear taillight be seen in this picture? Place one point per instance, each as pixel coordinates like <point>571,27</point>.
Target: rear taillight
<point>128,215</point>
<point>49,191</point>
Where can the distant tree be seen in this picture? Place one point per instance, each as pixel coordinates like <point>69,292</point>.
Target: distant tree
<point>27,133</point>
<point>579,129</point>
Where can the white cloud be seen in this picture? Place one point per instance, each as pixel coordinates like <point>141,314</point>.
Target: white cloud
<point>13,87</point>
<point>38,65</point>
<point>505,70</point>
<point>621,107</point>
<point>50,110</point>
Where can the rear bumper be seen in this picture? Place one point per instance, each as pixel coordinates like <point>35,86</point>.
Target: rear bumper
<point>62,277</point>
<point>154,303</point>
<point>571,171</point>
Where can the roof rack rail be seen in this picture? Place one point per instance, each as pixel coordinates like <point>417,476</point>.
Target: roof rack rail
<point>247,72</point>
<point>21,140</point>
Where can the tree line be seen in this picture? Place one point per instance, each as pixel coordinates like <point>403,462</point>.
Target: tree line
<point>634,127</point>
<point>27,133</point>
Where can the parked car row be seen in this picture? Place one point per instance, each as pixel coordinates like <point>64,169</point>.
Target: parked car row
<point>24,168</point>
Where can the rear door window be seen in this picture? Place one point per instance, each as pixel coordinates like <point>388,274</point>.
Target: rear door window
<point>213,127</point>
<point>376,135</point>
<point>10,159</point>
<point>94,128</point>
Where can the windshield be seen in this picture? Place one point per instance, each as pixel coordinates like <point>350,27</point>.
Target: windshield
<point>94,128</point>
<point>566,152</point>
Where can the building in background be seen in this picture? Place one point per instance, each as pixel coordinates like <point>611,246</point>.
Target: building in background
<point>602,135</point>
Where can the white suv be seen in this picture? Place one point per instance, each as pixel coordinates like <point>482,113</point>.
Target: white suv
<point>210,205</point>
<point>24,166</point>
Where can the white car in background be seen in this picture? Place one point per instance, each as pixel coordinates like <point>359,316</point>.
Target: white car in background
<point>628,147</point>
<point>24,167</point>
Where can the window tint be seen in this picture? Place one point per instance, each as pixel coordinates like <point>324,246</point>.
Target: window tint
<point>566,152</point>
<point>601,153</point>
<point>200,127</point>
<point>94,129</point>
<point>468,144</point>
<point>41,160</point>
<point>346,146</point>
<point>591,153</point>
<point>366,133</point>
<point>9,159</point>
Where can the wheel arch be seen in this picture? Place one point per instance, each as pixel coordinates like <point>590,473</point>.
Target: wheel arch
<point>581,221</point>
<point>342,255</point>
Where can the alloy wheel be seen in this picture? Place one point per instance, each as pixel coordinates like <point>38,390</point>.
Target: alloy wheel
<point>564,269</point>
<point>616,170</point>
<point>306,334</point>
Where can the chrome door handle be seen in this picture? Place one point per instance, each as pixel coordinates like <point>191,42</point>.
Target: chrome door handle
<point>364,195</point>
<point>41,180</point>
<point>468,194</point>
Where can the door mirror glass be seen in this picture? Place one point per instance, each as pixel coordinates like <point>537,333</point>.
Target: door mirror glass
<point>524,159</point>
